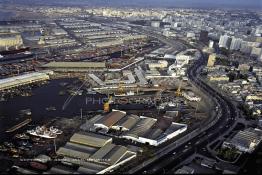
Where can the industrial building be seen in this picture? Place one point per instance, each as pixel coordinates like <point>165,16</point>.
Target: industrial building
<point>109,120</point>
<point>76,66</point>
<point>23,80</point>
<point>140,129</point>
<point>10,40</point>
<point>245,141</point>
<point>90,139</point>
<point>93,153</point>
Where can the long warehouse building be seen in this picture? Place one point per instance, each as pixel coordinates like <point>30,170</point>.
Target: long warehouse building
<point>76,66</point>
<point>24,79</point>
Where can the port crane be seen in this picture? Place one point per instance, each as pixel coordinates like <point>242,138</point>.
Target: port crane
<point>178,91</point>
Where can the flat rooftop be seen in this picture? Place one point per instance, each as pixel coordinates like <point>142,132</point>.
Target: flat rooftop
<point>75,65</point>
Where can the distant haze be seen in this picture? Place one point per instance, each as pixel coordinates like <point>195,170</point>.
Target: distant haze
<point>148,3</point>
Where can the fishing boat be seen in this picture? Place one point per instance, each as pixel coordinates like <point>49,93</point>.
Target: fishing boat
<point>90,91</point>
<point>22,136</point>
<point>50,108</point>
<point>45,132</point>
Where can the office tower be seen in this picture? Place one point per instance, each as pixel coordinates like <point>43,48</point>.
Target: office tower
<point>224,41</point>
<point>203,36</point>
<point>211,44</point>
<point>235,44</point>
<point>211,60</point>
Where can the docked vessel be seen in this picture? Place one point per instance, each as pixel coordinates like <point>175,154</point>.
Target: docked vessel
<point>45,132</point>
<point>25,112</point>
<point>50,108</point>
<point>129,93</point>
<point>22,136</point>
<point>62,93</point>
<point>90,91</point>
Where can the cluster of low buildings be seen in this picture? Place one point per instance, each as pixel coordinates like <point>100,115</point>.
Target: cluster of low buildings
<point>139,129</point>
<point>93,154</point>
<point>243,82</point>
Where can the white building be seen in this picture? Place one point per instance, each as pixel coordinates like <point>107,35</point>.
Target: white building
<point>235,44</point>
<point>24,79</point>
<point>155,24</point>
<point>245,141</point>
<point>224,41</point>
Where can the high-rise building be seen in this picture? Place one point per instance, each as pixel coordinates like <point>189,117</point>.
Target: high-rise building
<point>203,36</point>
<point>235,43</point>
<point>211,44</point>
<point>211,60</point>
<point>224,41</point>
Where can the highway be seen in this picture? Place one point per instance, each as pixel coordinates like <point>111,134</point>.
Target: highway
<point>171,155</point>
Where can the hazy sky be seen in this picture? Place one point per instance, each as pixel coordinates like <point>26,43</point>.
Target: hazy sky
<point>152,3</point>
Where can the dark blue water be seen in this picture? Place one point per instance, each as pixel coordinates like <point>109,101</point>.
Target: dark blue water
<point>46,96</point>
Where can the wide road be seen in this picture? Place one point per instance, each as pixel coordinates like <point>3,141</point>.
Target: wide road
<point>226,114</point>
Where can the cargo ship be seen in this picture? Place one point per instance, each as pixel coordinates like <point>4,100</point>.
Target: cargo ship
<point>19,125</point>
<point>44,132</point>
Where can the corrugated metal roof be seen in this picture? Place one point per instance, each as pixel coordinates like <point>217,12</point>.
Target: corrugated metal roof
<point>90,139</point>
<point>113,117</point>
<point>72,153</point>
<point>128,122</point>
<point>102,152</point>
<point>115,154</point>
<point>142,126</point>
<point>81,148</point>
<point>75,64</point>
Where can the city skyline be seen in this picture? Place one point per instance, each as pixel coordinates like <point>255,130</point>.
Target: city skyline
<point>252,4</point>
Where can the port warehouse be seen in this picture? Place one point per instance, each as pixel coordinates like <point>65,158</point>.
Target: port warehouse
<point>93,153</point>
<point>24,79</point>
<point>75,66</point>
<point>140,129</point>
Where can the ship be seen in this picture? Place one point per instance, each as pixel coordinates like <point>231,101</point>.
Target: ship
<point>90,91</point>
<point>25,112</point>
<point>44,132</point>
<point>19,125</point>
<point>22,136</point>
<point>129,93</point>
<point>62,93</point>
<point>51,108</point>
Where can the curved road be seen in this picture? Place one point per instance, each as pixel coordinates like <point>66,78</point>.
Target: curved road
<point>226,114</point>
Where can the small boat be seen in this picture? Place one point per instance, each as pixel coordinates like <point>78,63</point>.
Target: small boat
<point>63,84</point>
<point>51,108</point>
<point>9,144</point>
<point>61,93</point>
<point>25,112</point>
<point>3,148</point>
<point>90,91</point>
<point>22,136</point>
